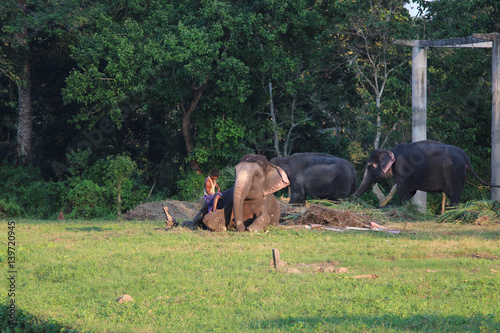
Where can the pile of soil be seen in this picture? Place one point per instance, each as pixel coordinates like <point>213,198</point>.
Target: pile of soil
<point>179,210</point>
<point>325,216</point>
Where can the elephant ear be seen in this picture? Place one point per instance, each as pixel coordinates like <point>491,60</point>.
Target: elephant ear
<point>388,160</point>
<point>276,179</point>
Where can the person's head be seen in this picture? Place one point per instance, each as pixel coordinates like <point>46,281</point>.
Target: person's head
<point>214,173</point>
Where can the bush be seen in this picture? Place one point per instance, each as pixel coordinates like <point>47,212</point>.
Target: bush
<point>13,177</point>
<point>190,186</point>
<point>9,209</point>
<point>102,189</point>
<point>226,178</point>
<point>87,200</point>
<point>119,169</point>
<point>113,178</point>
<point>42,199</point>
<point>24,193</point>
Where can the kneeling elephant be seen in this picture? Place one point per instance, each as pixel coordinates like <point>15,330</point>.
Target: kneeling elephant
<point>250,204</point>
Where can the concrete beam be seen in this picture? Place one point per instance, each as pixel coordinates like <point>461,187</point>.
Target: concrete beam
<point>419,107</point>
<point>419,95</point>
<point>467,42</point>
<point>495,123</point>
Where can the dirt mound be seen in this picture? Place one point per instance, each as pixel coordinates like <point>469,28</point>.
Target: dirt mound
<point>320,215</point>
<point>180,210</point>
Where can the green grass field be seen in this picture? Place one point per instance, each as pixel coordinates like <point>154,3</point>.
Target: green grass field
<point>429,278</point>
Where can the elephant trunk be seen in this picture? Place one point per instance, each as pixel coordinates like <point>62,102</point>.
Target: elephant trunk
<point>241,189</point>
<point>365,184</point>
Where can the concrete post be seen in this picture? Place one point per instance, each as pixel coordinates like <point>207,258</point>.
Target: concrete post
<point>495,124</point>
<point>419,106</point>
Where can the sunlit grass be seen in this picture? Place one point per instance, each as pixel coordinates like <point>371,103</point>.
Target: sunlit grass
<point>430,277</point>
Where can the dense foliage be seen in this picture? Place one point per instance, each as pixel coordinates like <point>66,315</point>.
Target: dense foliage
<point>138,100</point>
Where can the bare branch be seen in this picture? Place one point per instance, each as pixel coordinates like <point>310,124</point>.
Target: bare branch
<point>387,136</point>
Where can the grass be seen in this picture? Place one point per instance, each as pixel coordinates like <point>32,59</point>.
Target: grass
<point>431,277</point>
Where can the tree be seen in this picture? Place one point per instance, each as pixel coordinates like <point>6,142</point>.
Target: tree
<point>292,52</point>
<point>459,79</point>
<point>368,36</point>
<point>452,18</point>
<point>118,171</point>
<point>18,69</point>
<point>164,54</point>
<point>24,25</point>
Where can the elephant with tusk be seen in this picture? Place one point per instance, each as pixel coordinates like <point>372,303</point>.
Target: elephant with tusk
<point>428,166</point>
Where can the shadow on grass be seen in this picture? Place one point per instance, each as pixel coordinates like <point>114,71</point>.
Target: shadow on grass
<point>420,232</point>
<point>415,323</point>
<point>26,322</point>
<point>88,229</point>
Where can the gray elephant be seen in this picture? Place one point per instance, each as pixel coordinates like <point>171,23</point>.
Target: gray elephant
<point>428,166</point>
<point>318,175</point>
<point>250,204</point>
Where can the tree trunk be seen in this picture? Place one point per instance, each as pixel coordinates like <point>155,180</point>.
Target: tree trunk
<point>379,122</point>
<point>273,117</point>
<point>382,198</point>
<point>24,151</point>
<point>288,140</point>
<point>186,123</point>
<point>119,200</point>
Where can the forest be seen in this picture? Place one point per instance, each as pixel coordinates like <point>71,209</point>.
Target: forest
<point>105,104</point>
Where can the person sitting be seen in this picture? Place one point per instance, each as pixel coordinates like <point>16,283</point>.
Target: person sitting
<point>211,196</point>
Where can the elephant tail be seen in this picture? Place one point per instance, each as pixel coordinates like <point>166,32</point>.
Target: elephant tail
<point>468,165</point>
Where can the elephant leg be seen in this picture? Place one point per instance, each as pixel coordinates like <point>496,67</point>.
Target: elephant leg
<point>198,219</point>
<point>453,190</point>
<point>229,216</point>
<point>298,194</point>
<point>404,193</point>
<point>454,196</point>
<point>260,223</point>
<point>215,221</point>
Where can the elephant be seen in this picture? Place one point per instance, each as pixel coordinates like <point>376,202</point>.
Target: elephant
<point>250,204</point>
<point>318,175</point>
<point>255,206</point>
<point>428,166</point>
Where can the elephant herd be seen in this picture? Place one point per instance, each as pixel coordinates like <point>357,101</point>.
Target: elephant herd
<point>250,205</point>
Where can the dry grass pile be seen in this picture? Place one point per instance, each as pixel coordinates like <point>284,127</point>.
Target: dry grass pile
<point>320,215</point>
<point>473,212</point>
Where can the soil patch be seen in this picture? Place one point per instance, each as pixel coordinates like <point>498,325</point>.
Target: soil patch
<point>180,210</point>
